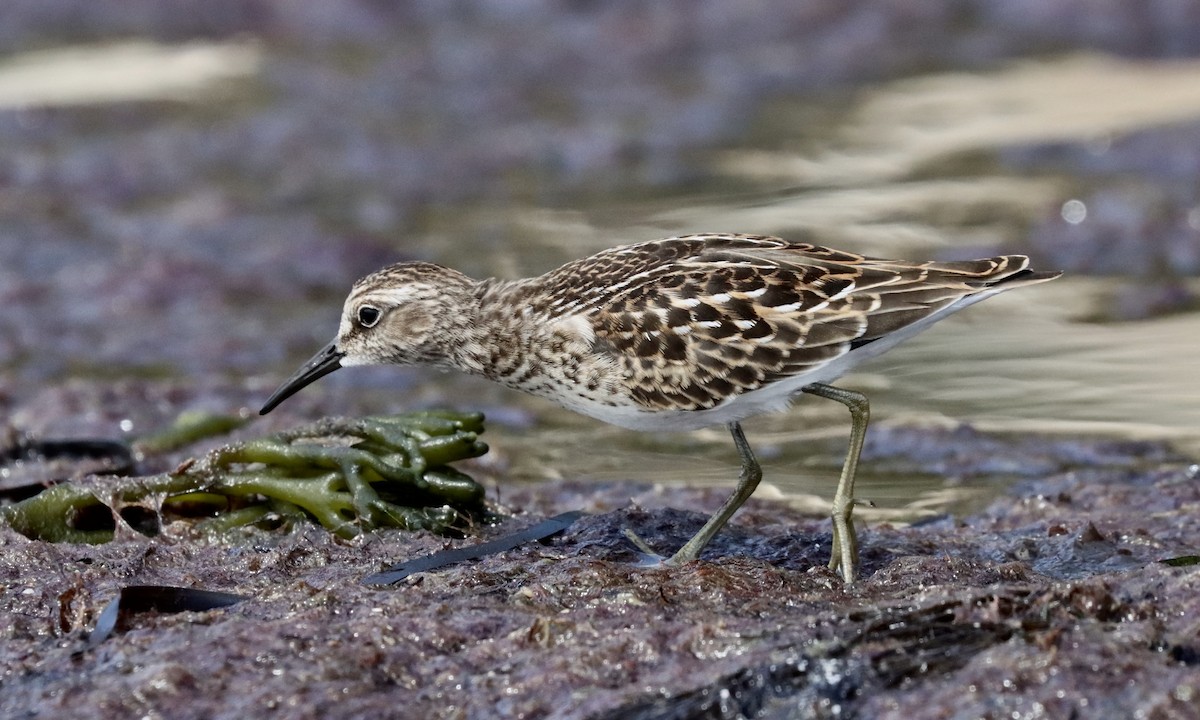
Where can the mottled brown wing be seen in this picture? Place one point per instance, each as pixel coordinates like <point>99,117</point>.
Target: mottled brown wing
<point>893,294</point>
<point>699,319</point>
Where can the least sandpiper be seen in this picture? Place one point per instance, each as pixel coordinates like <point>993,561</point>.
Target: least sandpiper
<point>674,334</point>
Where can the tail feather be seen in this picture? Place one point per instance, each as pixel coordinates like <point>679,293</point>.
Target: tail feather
<point>1024,276</point>
<point>955,285</point>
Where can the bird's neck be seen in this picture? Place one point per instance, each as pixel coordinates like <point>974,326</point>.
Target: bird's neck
<point>498,334</point>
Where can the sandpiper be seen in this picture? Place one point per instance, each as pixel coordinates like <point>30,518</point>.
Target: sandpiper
<point>675,334</point>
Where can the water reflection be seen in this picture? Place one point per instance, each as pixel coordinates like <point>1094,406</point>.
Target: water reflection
<point>907,125</point>
<point>122,72</point>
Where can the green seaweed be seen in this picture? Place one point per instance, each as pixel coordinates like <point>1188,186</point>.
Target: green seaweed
<point>188,428</point>
<point>351,475</point>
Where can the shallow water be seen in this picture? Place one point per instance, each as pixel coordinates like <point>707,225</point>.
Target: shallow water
<point>890,178</point>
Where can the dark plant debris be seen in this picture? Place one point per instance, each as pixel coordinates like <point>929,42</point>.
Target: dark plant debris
<point>157,598</point>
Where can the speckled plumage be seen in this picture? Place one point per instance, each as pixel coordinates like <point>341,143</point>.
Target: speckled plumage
<point>672,334</point>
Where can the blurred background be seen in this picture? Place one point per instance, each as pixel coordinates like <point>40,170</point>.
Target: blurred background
<point>187,191</point>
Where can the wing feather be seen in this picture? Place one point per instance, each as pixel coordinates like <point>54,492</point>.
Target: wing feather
<point>696,320</point>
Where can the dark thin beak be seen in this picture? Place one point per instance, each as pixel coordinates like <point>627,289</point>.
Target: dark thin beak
<point>321,364</point>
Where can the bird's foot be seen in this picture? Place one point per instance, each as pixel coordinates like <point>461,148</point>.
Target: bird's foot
<point>647,557</point>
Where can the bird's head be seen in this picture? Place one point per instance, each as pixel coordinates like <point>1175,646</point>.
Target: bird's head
<point>405,314</point>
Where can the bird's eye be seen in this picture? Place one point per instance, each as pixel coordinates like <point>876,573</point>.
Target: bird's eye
<point>368,316</point>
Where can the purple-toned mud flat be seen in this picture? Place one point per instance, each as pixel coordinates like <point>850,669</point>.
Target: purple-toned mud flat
<point>1057,600</point>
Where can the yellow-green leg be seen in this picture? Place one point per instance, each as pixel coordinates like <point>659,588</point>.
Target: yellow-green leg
<point>845,542</point>
<point>747,481</point>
